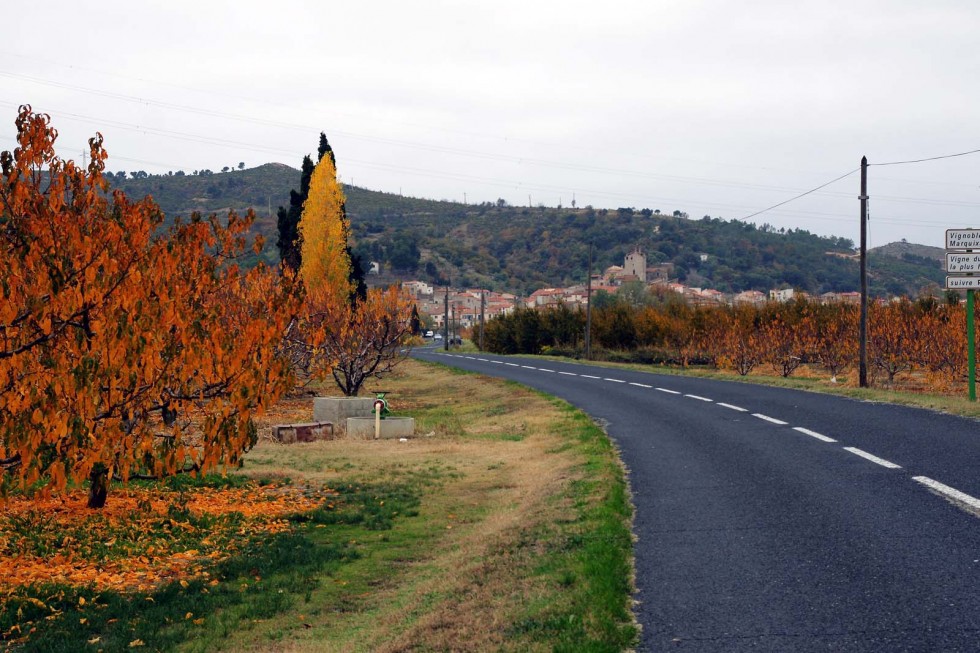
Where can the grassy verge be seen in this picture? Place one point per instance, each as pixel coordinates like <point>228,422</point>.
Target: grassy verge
<point>504,526</point>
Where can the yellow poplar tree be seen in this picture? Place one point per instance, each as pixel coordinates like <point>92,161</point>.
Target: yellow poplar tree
<point>323,229</point>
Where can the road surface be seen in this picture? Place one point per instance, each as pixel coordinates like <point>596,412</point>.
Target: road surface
<point>770,519</point>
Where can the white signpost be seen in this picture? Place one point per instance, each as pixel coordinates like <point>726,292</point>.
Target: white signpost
<point>962,262</point>
<point>963,239</point>
<point>962,283</point>
<point>965,261</point>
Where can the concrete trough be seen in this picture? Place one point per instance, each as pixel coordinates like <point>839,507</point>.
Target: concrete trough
<point>306,432</point>
<point>337,409</point>
<point>362,428</point>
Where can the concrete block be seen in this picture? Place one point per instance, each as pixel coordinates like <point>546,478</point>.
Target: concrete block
<point>337,409</point>
<point>391,428</point>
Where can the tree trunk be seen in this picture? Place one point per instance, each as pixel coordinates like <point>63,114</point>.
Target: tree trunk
<point>98,486</point>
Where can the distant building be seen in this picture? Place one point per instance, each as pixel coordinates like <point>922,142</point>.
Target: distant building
<point>659,273</point>
<point>753,297</point>
<point>846,297</point>
<point>418,289</point>
<point>636,265</point>
<point>784,295</point>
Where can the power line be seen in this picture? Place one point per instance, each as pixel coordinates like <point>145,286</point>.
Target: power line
<point>812,190</point>
<point>931,158</point>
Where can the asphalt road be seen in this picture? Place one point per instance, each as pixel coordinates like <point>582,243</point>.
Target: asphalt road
<point>776,520</point>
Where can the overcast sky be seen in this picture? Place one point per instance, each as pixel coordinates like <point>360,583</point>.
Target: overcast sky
<point>709,107</point>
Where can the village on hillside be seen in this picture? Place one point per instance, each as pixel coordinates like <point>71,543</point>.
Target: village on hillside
<point>465,306</point>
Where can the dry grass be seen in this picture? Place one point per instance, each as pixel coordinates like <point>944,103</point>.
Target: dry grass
<point>496,462</point>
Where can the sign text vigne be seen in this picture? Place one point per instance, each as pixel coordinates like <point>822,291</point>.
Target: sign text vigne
<point>963,239</point>
<point>962,262</point>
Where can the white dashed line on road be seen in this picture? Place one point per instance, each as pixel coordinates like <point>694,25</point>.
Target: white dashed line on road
<point>873,458</point>
<point>771,420</point>
<point>641,385</point>
<point>541,369</point>
<point>483,360</point>
<point>670,392</point>
<point>948,492</point>
<point>498,362</point>
<point>569,373</point>
<point>511,364</point>
<point>528,367</point>
<point>589,376</point>
<point>813,434</point>
<point>614,380</point>
<point>698,397</point>
<point>738,408</point>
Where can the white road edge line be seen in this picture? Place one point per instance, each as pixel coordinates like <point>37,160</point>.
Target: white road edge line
<point>738,408</point>
<point>771,420</point>
<point>814,434</point>
<point>589,376</point>
<point>614,380</point>
<point>670,392</point>
<point>699,398</point>
<point>641,385</point>
<point>949,492</point>
<point>873,458</point>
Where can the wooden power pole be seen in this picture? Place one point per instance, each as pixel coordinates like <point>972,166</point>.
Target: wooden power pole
<point>863,329</point>
<point>588,310</point>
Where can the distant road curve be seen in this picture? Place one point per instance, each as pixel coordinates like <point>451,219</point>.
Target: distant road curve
<point>770,519</point>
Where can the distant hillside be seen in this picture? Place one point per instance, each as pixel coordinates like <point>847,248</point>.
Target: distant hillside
<point>911,251</point>
<point>521,249</point>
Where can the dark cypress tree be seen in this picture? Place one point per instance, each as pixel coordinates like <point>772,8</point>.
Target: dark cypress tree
<point>356,278</point>
<point>288,219</point>
<point>325,149</point>
<point>416,321</point>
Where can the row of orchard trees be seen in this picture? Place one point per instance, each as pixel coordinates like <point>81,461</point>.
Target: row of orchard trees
<point>903,336</point>
<point>132,347</point>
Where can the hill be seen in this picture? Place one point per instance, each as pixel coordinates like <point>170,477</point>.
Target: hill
<point>521,249</point>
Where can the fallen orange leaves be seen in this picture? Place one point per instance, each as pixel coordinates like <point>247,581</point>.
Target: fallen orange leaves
<point>148,563</point>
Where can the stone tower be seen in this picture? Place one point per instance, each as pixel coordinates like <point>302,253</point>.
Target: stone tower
<point>636,264</point>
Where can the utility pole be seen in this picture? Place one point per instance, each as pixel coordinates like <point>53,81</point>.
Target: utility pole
<point>483,315</point>
<point>863,329</point>
<point>445,322</point>
<point>588,310</point>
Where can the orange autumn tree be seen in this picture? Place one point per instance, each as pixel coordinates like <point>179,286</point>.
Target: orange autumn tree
<point>340,335</point>
<point>115,332</point>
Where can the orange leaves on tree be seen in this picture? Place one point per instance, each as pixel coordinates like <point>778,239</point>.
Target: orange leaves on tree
<point>112,326</point>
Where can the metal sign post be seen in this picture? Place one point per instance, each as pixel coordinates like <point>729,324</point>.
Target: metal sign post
<point>971,356</point>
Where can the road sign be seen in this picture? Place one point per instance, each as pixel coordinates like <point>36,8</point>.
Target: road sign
<point>963,239</point>
<point>962,283</point>
<point>962,262</point>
